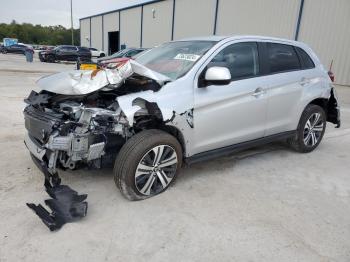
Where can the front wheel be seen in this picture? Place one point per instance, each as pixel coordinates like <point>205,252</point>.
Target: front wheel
<point>311,128</point>
<point>50,59</point>
<point>147,164</point>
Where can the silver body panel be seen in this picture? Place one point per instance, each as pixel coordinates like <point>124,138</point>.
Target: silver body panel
<point>217,116</point>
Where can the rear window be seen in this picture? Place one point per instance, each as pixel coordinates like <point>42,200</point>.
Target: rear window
<point>306,61</point>
<point>282,58</point>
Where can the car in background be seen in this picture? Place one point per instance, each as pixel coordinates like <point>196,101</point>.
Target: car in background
<point>127,52</point>
<point>121,56</point>
<point>16,49</point>
<point>97,53</point>
<point>65,53</point>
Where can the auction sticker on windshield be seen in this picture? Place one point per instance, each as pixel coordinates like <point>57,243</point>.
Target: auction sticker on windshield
<point>187,57</point>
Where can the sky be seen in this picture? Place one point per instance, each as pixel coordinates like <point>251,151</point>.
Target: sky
<point>56,12</point>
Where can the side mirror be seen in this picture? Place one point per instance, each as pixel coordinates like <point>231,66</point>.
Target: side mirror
<point>217,75</point>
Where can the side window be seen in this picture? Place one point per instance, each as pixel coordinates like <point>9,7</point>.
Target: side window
<point>306,60</point>
<point>71,48</point>
<point>241,59</point>
<point>282,58</point>
<point>62,49</point>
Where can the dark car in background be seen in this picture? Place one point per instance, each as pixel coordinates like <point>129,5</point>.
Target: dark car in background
<point>127,52</point>
<point>17,49</point>
<point>65,53</point>
<point>121,56</point>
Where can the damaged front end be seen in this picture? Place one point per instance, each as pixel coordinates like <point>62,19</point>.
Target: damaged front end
<point>76,121</point>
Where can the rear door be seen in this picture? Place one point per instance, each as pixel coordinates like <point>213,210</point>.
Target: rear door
<point>72,53</point>
<point>236,112</point>
<point>84,53</point>
<point>285,84</point>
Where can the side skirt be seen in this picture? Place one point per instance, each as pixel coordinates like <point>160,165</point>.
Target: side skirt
<point>224,151</point>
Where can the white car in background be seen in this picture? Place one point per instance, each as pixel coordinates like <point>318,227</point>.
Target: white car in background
<point>97,53</point>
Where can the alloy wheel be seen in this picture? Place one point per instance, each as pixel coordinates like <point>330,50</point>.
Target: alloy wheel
<point>156,170</point>
<point>313,129</point>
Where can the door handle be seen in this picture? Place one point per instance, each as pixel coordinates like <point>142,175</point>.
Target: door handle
<point>304,81</point>
<point>258,92</point>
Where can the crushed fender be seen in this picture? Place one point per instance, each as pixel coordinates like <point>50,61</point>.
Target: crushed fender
<point>66,206</point>
<point>82,82</point>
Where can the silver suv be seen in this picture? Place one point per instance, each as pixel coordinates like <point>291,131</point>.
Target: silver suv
<point>182,102</point>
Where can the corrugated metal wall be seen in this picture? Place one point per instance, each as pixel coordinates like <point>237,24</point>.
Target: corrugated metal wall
<point>85,32</point>
<point>257,17</point>
<point>96,32</point>
<point>325,26</point>
<point>130,27</point>
<point>157,23</point>
<point>110,24</point>
<point>194,18</point>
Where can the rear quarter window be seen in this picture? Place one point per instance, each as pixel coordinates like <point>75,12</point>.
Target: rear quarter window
<point>282,58</point>
<point>305,59</point>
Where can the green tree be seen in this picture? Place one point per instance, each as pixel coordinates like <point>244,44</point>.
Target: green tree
<point>39,35</point>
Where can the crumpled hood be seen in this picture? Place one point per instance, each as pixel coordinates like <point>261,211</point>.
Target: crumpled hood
<point>82,82</point>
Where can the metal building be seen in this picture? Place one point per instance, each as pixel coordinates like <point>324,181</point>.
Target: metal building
<point>323,24</point>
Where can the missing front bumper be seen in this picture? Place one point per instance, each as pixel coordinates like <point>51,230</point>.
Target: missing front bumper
<point>66,204</point>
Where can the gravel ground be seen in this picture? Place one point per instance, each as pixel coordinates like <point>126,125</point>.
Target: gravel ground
<point>264,204</point>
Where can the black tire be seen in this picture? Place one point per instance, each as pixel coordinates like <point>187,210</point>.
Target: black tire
<point>50,59</point>
<point>133,153</point>
<point>102,55</point>
<point>298,142</point>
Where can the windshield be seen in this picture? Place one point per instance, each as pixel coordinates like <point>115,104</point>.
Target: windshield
<point>175,59</point>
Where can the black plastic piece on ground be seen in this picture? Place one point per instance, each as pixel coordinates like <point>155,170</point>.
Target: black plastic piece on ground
<point>50,179</point>
<point>66,206</point>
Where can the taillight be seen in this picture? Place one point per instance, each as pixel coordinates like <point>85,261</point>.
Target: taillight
<point>331,76</point>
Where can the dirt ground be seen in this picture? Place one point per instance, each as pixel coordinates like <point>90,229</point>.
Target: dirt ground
<point>265,204</point>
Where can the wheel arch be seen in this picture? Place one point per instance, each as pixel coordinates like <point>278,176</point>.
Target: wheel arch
<point>156,123</point>
<point>330,107</point>
<point>322,102</point>
<point>175,132</point>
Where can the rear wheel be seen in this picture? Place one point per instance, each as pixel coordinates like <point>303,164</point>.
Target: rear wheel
<point>311,128</point>
<point>147,164</point>
<point>102,55</point>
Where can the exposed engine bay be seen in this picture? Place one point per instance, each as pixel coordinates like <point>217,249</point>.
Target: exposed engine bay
<point>77,129</point>
<point>82,126</point>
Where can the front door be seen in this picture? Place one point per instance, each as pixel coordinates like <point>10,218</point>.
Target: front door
<point>229,114</point>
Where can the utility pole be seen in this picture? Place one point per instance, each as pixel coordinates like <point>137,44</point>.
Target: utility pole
<point>71,20</point>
